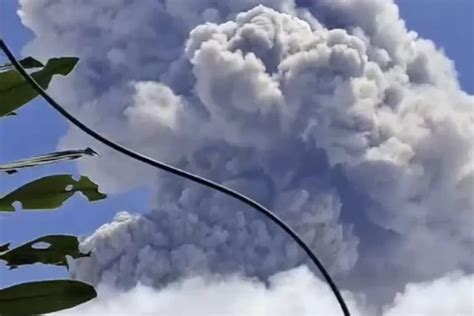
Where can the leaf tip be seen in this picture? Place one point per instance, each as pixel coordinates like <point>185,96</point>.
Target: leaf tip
<point>4,247</point>
<point>91,152</point>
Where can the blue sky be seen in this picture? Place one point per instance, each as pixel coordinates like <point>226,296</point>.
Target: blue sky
<point>37,129</point>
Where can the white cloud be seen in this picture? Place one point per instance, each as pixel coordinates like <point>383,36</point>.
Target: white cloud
<point>295,292</point>
<point>452,294</point>
<point>290,293</point>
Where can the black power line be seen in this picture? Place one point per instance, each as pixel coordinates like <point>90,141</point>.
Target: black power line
<point>182,173</point>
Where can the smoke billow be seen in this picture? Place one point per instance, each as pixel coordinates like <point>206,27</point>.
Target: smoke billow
<point>293,292</point>
<point>352,128</point>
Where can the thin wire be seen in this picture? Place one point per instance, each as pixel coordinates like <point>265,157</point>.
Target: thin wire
<point>182,173</point>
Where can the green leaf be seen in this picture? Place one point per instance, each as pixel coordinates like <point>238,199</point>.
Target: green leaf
<point>51,249</point>
<point>47,159</point>
<point>15,91</point>
<point>4,247</point>
<point>44,296</point>
<point>50,192</point>
<point>28,62</point>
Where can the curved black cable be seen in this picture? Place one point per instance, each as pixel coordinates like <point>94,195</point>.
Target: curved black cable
<point>190,176</point>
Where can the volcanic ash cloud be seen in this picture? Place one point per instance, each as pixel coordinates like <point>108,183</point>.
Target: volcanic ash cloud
<point>350,127</point>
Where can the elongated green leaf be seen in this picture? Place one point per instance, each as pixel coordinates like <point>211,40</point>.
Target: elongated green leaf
<point>28,62</point>
<point>15,91</point>
<point>46,159</point>
<point>44,296</point>
<point>51,249</point>
<point>50,192</point>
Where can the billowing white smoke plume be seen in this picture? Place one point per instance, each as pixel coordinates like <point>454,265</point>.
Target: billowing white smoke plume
<point>331,113</point>
<point>295,292</point>
<point>452,294</point>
